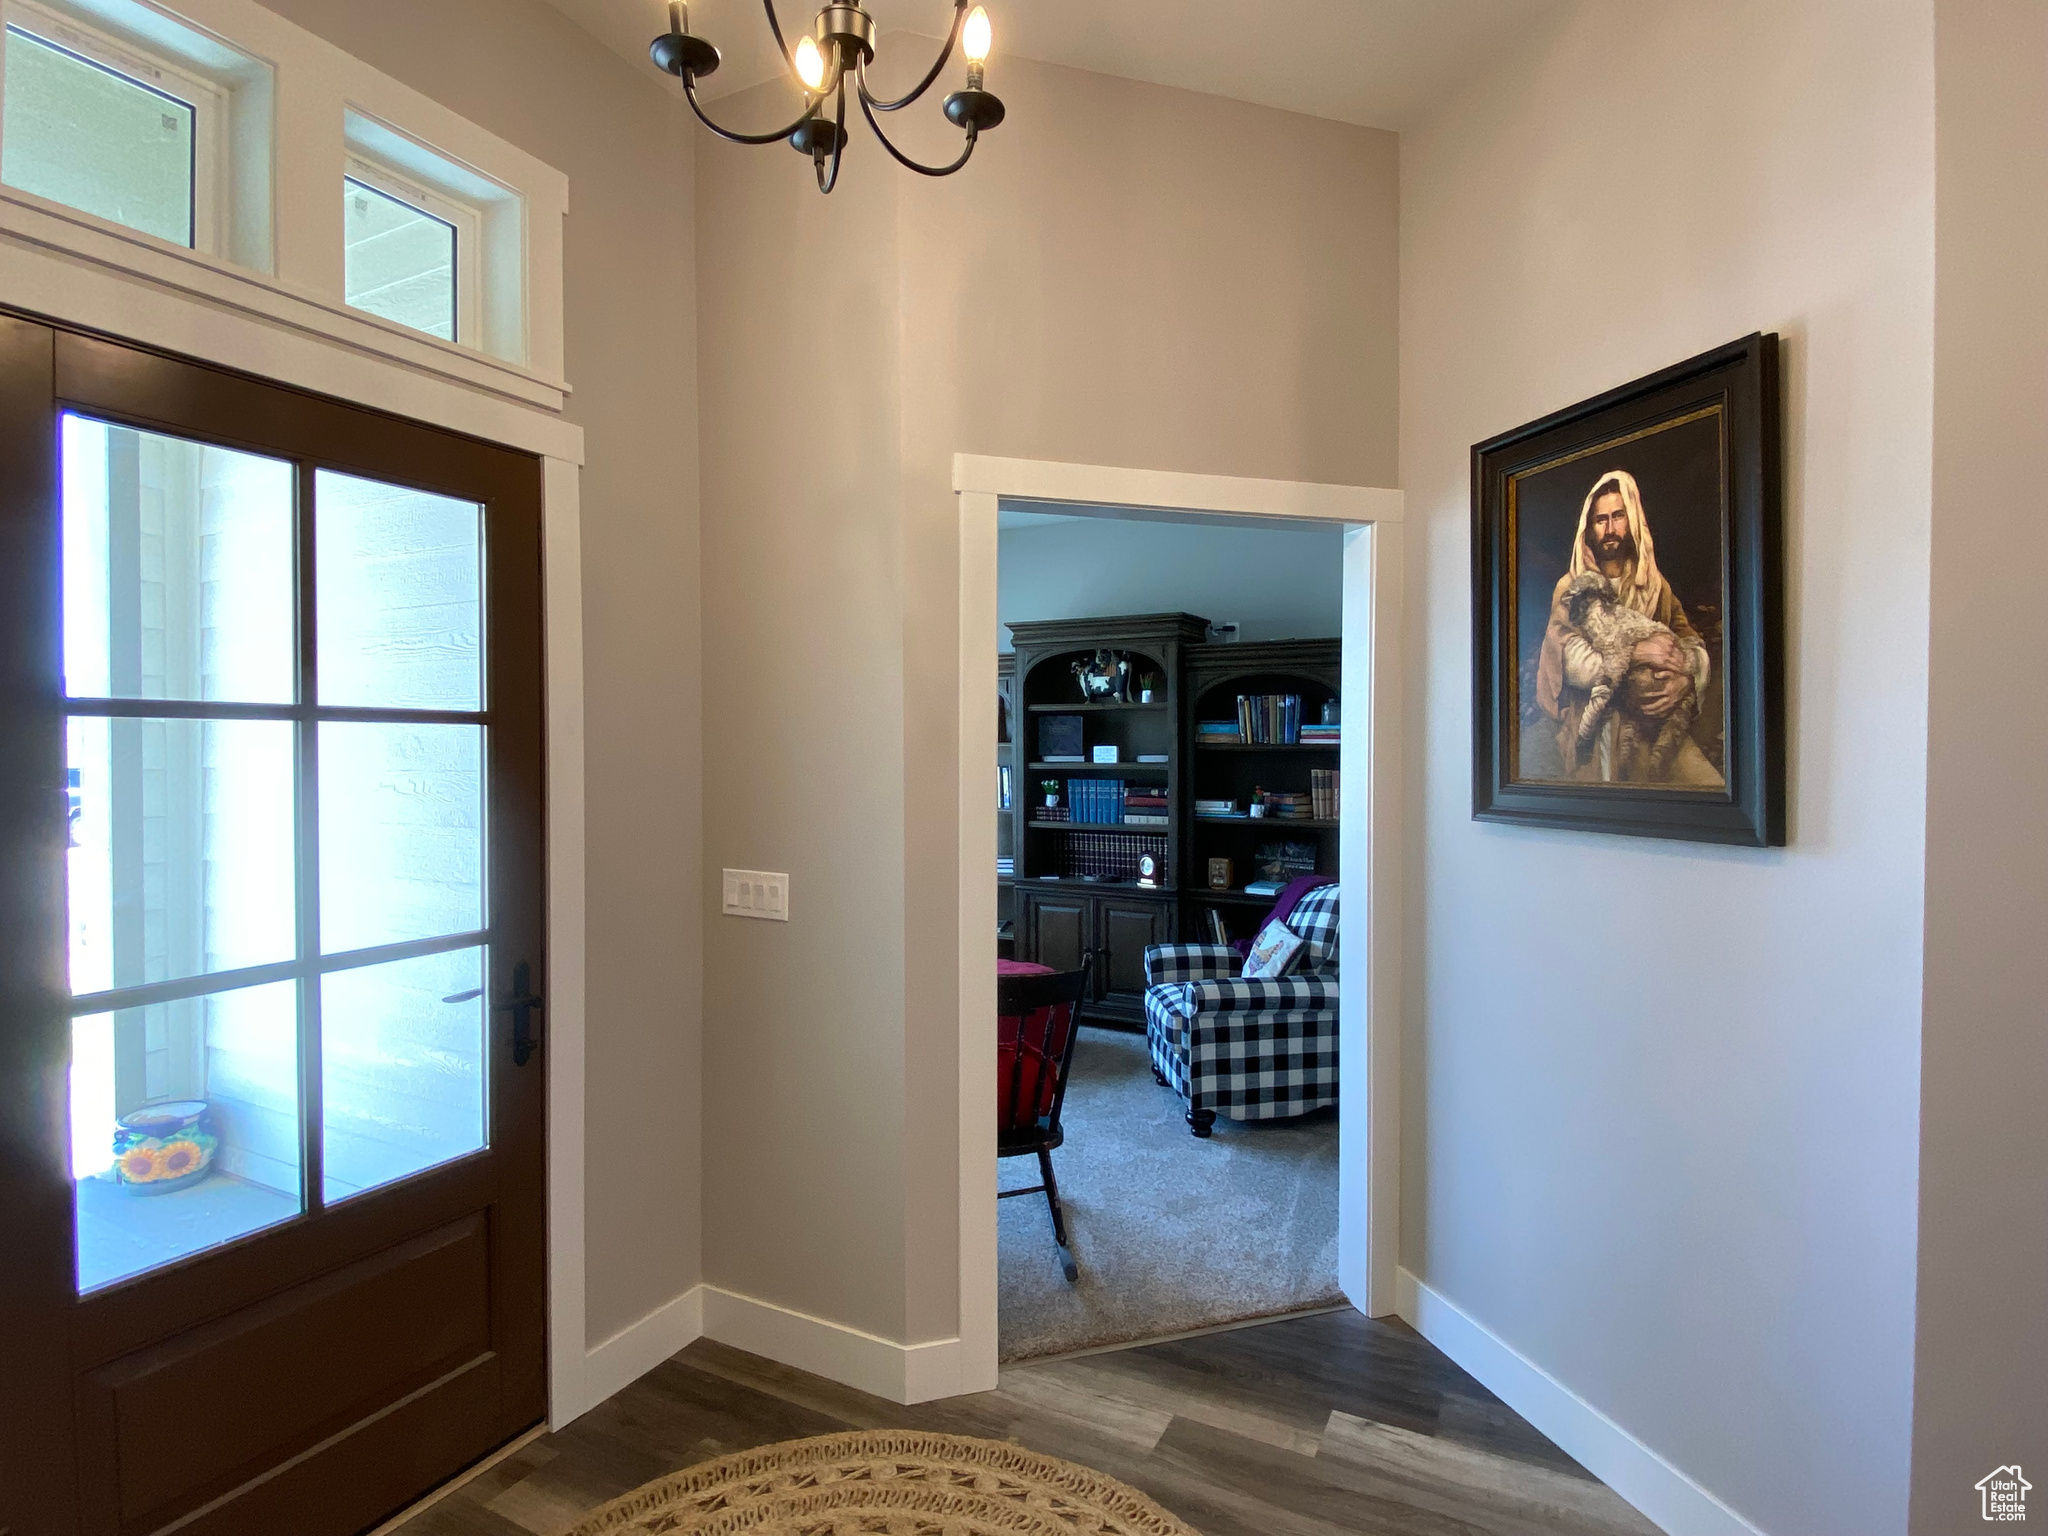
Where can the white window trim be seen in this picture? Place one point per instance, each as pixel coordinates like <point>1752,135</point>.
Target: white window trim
<point>207,97</point>
<point>467,222</point>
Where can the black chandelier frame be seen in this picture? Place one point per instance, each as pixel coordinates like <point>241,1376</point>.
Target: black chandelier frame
<point>845,38</point>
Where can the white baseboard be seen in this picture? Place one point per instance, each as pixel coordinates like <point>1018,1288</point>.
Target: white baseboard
<point>639,1347</point>
<point>902,1373</point>
<point>1665,1495</point>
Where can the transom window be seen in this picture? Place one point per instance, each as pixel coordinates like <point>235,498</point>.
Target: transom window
<point>111,129</point>
<point>411,253</point>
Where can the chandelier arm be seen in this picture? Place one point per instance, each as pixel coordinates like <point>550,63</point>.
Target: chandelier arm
<point>827,183</point>
<point>690,90</point>
<point>945,53</point>
<point>776,27</point>
<point>904,160</point>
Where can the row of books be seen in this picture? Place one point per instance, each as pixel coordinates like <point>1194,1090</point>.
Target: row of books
<point>1322,786</point>
<point>1314,734</point>
<point>1265,720</point>
<point>1103,856</point>
<point>1111,802</point>
<point>1287,805</point>
<point>1005,865</point>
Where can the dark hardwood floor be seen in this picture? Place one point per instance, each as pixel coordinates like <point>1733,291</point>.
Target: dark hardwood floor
<point>1305,1426</point>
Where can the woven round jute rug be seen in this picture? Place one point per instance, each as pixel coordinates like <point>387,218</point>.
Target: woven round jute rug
<point>884,1483</point>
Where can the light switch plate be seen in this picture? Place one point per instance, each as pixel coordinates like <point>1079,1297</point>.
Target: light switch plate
<point>757,893</point>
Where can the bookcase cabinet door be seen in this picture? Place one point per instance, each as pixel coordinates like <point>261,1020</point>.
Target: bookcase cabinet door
<point>1125,929</point>
<point>1058,929</point>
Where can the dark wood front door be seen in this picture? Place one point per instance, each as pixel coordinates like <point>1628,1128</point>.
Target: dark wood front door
<point>271,1116</point>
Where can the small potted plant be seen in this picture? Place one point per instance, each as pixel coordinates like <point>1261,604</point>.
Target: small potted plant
<point>1052,793</point>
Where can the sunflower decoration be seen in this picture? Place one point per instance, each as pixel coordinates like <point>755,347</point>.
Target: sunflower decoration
<point>162,1147</point>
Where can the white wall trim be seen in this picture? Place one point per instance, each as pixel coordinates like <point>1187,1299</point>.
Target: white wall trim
<point>1369,1161</point>
<point>1101,485</point>
<point>637,1349</point>
<point>573,1386</point>
<point>902,1373</point>
<point>1663,1493</point>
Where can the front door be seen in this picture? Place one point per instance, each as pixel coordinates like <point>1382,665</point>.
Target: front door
<point>271,1162</point>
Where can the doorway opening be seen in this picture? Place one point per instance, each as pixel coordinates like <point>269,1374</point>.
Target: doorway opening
<point>1169,727</point>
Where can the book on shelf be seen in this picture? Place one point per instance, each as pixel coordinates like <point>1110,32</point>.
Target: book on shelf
<point>1105,856</point>
<point>1269,719</point>
<point>1060,739</point>
<point>1151,757</point>
<point>1323,784</point>
<point>1321,735</point>
<point>1219,931</point>
<point>1265,888</point>
<point>1218,733</point>
<point>1005,866</point>
<point>1217,809</point>
<point>1281,862</point>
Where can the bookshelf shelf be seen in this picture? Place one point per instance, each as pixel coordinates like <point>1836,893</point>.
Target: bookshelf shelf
<point>1153,829</point>
<point>1269,823</point>
<point>1089,708</point>
<point>1116,768</point>
<point>1238,746</point>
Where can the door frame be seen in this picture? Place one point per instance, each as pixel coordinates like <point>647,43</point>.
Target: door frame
<point>1369,996</point>
<point>131,306</point>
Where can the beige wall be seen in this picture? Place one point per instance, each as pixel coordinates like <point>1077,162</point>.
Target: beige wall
<point>523,71</point>
<point>1981,1383</point>
<point>1661,1119</point>
<point>1126,275</point>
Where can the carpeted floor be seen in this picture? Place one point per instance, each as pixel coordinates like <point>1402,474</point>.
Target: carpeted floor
<point>1172,1234</point>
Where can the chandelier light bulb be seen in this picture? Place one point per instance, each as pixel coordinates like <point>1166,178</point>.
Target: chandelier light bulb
<point>810,64</point>
<point>976,36</point>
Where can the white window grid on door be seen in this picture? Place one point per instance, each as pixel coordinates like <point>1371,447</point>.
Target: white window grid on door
<point>464,218</point>
<point>207,98</point>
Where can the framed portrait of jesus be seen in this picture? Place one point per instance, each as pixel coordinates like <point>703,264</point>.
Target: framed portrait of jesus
<point>1628,609</point>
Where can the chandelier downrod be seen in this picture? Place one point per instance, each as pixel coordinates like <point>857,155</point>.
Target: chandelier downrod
<point>840,45</point>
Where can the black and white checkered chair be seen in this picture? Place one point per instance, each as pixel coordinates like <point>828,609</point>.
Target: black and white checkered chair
<point>1250,1050</point>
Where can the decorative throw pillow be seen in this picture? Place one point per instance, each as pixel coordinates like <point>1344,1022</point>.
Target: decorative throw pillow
<point>1274,953</point>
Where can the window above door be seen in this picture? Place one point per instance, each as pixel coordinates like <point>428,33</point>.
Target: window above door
<point>149,139</point>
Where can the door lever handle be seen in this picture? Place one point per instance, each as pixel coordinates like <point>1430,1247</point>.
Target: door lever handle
<point>522,1005</point>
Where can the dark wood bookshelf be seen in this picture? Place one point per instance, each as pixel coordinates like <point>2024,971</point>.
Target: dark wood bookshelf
<point>1061,920</point>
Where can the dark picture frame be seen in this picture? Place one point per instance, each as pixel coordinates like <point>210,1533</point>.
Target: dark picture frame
<point>1628,610</point>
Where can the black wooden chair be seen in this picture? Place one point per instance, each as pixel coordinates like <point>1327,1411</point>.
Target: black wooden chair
<point>1038,1019</point>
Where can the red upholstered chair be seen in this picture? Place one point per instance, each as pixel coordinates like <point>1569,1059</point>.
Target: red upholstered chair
<point>1037,1022</point>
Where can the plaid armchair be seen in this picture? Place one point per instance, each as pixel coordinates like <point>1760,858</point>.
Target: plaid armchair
<point>1251,1050</point>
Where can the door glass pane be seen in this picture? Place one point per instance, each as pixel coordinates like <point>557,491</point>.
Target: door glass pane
<point>400,595</point>
<point>399,261</point>
<point>181,859</point>
<point>401,833</point>
<point>178,569</point>
<point>184,1127</point>
<point>87,136</point>
<point>402,1068</point>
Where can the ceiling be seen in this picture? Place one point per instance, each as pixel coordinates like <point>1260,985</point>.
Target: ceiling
<point>1375,62</point>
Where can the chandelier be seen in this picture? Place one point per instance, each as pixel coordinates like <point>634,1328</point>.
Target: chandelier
<point>840,47</point>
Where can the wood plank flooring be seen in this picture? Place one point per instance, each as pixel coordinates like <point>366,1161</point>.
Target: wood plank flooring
<point>1304,1426</point>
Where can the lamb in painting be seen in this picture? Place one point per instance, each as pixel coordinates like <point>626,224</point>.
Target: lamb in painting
<point>1613,630</point>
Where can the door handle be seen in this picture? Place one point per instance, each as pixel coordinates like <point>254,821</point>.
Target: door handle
<point>522,1005</point>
